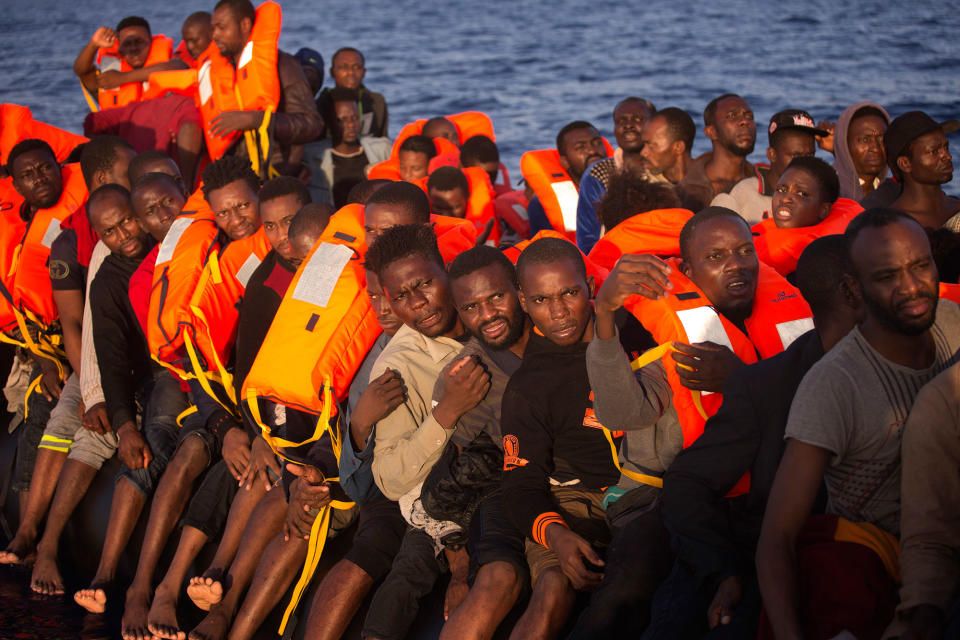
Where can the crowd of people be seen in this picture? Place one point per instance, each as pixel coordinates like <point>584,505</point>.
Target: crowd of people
<point>645,393</point>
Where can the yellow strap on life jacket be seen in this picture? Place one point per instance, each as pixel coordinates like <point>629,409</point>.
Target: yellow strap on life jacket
<point>202,377</point>
<point>642,478</point>
<point>41,347</point>
<point>323,424</point>
<point>258,141</point>
<point>186,412</point>
<point>26,398</point>
<point>655,354</point>
<point>94,107</point>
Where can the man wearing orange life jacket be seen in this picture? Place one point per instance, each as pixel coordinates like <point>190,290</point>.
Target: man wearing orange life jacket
<point>17,123</point>
<point>414,157</point>
<point>579,145</point>
<point>127,57</point>
<point>805,206</point>
<point>197,35</point>
<point>295,121</point>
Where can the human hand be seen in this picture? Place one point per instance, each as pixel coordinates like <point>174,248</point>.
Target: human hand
<point>132,448</point>
<point>704,366</point>
<point>378,400</point>
<point>230,121</point>
<point>236,451</point>
<point>111,79</point>
<point>826,142</point>
<point>574,552</point>
<point>104,38</point>
<point>725,600</point>
<point>634,274</point>
<point>50,385</point>
<point>462,385</point>
<point>485,232</point>
<point>262,461</point>
<point>95,419</point>
<point>308,494</point>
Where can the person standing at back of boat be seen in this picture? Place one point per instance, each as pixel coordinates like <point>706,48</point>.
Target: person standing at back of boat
<point>348,69</point>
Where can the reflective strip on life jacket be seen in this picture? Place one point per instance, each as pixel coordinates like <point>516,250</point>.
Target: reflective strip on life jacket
<point>252,86</point>
<point>653,232</point>
<point>781,248</point>
<point>161,50</point>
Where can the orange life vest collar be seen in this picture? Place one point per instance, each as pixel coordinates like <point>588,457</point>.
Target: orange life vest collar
<point>655,232</point>
<point>109,59</point>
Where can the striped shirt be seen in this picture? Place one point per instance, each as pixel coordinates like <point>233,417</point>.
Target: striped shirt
<point>854,403</point>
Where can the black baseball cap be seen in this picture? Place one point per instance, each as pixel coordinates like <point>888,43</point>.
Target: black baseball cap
<point>909,126</point>
<point>796,119</point>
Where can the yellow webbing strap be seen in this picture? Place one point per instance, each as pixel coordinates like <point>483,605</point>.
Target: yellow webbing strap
<point>26,398</point>
<point>655,354</point>
<point>212,273</point>
<point>202,377</point>
<point>642,478</point>
<point>42,348</point>
<point>259,155</point>
<point>323,424</point>
<point>180,373</point>
<point>94,107</point>
<point>318,539</point>
<point>186,412</point>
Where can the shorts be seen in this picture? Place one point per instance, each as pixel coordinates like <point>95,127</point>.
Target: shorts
<point>582,510</point>
<point>164,402</point>
<point>38,410</point>
<point>494,538</point>
<point>195,427</point>
<point>210,506</point>
<point>64,421</point>
<point>379,533</point>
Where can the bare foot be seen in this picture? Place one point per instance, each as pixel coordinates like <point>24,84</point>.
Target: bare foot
<point>93,598</point>
<point>134,624</point>
<point>456,592</point>
<point>213,627</point>
<point>206,590</point>
<point>46,578</point>
<point>162,619</point>
<point>19,551</point>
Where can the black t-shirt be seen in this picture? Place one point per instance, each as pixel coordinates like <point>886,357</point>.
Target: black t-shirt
<point>347,172</point>
<point>66,272</point>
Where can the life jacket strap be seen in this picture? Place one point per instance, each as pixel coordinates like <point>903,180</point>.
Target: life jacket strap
<point>655,354</point>
<point>94,107</point>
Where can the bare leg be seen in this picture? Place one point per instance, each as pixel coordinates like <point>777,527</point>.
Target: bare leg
<point>46,472</point>
<point>493,594</point>
<point>125,510</point>
<point>77,477</point>
<point>168,503</point>
<point>189,145</point>
<point>262,537</point>
<point>162,619</point>
<point>549,607</point>
<point>337,599</point>
<point>207,590</point>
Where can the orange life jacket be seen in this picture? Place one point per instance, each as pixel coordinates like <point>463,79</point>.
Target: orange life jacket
<point>12,228</point>
<point>779,316</point>
<point>389,169</point>
<point>182,81</point>
<point>184,54</point>
<point>17,123</point>
<point>510,208</point>
<point>553,185</point>
<point>454,235</point>
<point>320,335</point>
<point>781,248</point>
<point>468,124</point>
<point>184,252</point>
<point>950,291</point>
<point>655,232</point>
<point>593,269</point>
<point>161,50</point>
<point>215,307</point>
<point>480,207</point>
<point>252,86</point>
<point>32,291</point>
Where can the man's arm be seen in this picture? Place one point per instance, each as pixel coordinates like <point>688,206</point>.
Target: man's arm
<point>297,118</point>
<point>791,500</point>
<point>84,66</point>
<point>588,223</point>
<point>69,304</point>
<point>113,79</point>
<point>111,335</point>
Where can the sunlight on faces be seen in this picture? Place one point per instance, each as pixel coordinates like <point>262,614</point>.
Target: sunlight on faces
<point>489,307</point>
<point>387,320</point>
<point>236,209</point>
<point>798,201</point>
<point>557,299</point>
<point>419,295</point>
<point>275,215</point>
<point>157,205</point>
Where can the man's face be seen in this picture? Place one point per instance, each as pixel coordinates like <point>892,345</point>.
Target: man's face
<point>581,148</point>
<point>790,145</point>
<point>134,45</point>
<point>36,177</point>
<point>236,209</point>
<point>451,203</point>
<point>419,295</point>
<point>442,129</point>
<point>628,121</point>
<point>276,215</point>
<point>658,148</point>
<point>116,224</point>
<point>489,307</point>
<point>865,141</point>
<point>724,265</point>
<point>348,121</point>
<point>348,70</point>
<point>377,218</point>
<point>118,172</point>
<point>733,127</point>
<point>413,165</point>
<point>229,33</point>
<point>929,160</point>
<point>387,320</point>
<point>797,201</point>
<point>157,205</point>
<point>896,276</point>
<point>557,299</point>
<point>196,37</point>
